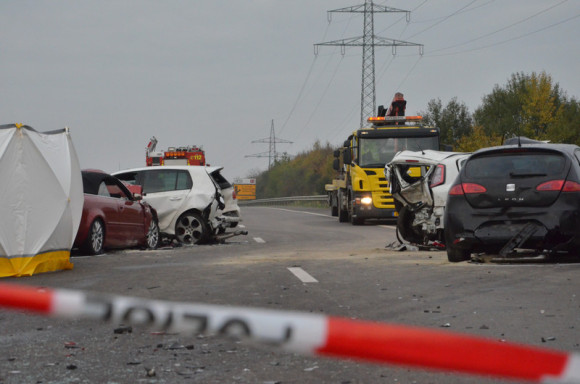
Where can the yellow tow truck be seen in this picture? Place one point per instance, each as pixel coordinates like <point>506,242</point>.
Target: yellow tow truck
<point>360,190</point>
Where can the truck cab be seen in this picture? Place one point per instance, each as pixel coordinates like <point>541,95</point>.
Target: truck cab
<point>360,191</point>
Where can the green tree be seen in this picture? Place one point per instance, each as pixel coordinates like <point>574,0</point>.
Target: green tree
<point>528,105</point>
<point>567,128</point>
<point>477,139</point>
<point>454,120</point>
<point>303,175</point>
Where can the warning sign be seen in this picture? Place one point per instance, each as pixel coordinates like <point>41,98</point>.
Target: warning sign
<point>245,189</point>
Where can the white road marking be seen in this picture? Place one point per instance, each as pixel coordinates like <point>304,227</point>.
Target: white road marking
<point>387,226</point>
<point>307,213</point>
<point>241,226</point>
<point>302,275</point>
<point>259,240</point>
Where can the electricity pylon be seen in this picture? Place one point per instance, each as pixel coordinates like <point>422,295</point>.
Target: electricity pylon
<point>272,140</point>
<point>368,41</point>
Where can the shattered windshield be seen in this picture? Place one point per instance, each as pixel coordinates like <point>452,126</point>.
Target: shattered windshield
<point>376,152</point>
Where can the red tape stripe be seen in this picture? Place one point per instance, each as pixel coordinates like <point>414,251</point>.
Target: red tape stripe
<point>26,298</point>
<point>439,350</point>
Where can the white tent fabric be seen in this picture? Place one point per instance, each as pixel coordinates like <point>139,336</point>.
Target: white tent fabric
<point>41,200</point>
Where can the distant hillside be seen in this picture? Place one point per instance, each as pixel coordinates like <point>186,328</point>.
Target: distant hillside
<point>304,175</point>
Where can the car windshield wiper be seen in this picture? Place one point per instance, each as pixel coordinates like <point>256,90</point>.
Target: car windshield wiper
<point>528,174</point>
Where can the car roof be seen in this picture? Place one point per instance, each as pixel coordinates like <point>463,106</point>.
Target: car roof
<point>192,168</point>
<point>427,156</point>
<point>92,178</point>
<point>569,149</point>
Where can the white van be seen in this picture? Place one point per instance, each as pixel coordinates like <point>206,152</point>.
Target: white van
<point>188,202</point>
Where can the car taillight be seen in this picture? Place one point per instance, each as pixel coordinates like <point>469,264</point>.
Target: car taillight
<point>234,196</point>
<point>559,185</point>
<point>438,177</point>
<point>467,188</point>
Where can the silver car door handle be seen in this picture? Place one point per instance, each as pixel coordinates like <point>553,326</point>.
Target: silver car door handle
<point>174,198</point>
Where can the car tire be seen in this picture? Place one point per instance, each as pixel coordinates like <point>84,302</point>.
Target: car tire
<point>405,228</point>
<point>191,228</point>
<point>153,235</point>
<point>455,255</point>
<point>95,242</point>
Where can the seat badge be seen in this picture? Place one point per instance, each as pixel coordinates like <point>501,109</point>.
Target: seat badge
<point>510,187</point>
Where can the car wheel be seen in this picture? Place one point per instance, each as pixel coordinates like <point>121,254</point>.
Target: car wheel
<point>153,235</point>
<point>405,226</point>
<point>191,228</point>
<point>95,241</point>
<point>456,255</point>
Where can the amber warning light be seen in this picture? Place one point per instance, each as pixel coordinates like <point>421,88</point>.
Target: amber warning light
<point>394,118</point>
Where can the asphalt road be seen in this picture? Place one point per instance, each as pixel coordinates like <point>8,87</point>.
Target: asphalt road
<point>356,277</point>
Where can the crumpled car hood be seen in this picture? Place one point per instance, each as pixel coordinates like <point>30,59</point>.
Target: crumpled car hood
<point>415,190</point>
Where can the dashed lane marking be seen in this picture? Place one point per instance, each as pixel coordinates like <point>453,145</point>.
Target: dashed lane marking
<point>301,274</point>
<point>259,240</point>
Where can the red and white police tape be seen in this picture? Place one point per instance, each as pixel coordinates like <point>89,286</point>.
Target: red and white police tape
<point>310,334</point>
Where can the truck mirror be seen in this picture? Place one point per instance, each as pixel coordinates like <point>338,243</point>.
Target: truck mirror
<point>335,165</point>
<point>347,159</point>
<point>346,144</point>
<point>336,153</point>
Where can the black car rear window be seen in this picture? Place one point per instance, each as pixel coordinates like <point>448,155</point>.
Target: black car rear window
<point>509,165</point>
<point>220,180</point>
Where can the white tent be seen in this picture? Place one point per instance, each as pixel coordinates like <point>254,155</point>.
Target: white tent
<point>41,200</point>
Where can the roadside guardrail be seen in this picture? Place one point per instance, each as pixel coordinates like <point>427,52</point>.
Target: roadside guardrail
<point>284,200</point>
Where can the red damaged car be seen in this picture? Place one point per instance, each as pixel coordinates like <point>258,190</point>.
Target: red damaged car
<point>114,217</point>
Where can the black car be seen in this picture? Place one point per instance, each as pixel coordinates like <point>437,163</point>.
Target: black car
<point>515,197</point>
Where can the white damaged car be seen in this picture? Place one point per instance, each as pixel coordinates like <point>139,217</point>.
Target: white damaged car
<point>187,200</point>
<point>419,182</point>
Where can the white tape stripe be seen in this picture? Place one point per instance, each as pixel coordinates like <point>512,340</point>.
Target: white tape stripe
<point>259,240</point>
<point>68,304</point>
<point>571,373</point>
<point>304,276</point>
<point>293,331</point>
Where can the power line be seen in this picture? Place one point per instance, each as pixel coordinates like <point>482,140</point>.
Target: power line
<point>501,29</point>
<point>509,40</point>
<point>444,19</point>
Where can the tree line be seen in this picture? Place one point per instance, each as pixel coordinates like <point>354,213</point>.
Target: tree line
<point>530,105</point>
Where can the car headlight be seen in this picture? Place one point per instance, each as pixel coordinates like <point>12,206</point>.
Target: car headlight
<point>367,200</point>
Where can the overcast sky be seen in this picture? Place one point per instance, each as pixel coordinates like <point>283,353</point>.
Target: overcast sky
<point>216,73</point>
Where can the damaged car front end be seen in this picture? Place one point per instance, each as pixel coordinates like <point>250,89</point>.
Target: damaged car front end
<point>419,181</point>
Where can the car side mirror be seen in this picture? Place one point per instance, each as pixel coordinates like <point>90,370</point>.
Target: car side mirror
<point>137,197</point>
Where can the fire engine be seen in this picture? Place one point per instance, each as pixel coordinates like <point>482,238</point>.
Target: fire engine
<point>190,155</point>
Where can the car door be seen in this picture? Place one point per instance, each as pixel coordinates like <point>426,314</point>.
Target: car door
<point>166,190</point>
<point>128,224</point>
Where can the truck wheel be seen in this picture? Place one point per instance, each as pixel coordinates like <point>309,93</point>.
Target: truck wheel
<point>342,213</point>
<point>191,229</point>
<point>354,221</point>
<point>334,210</point>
